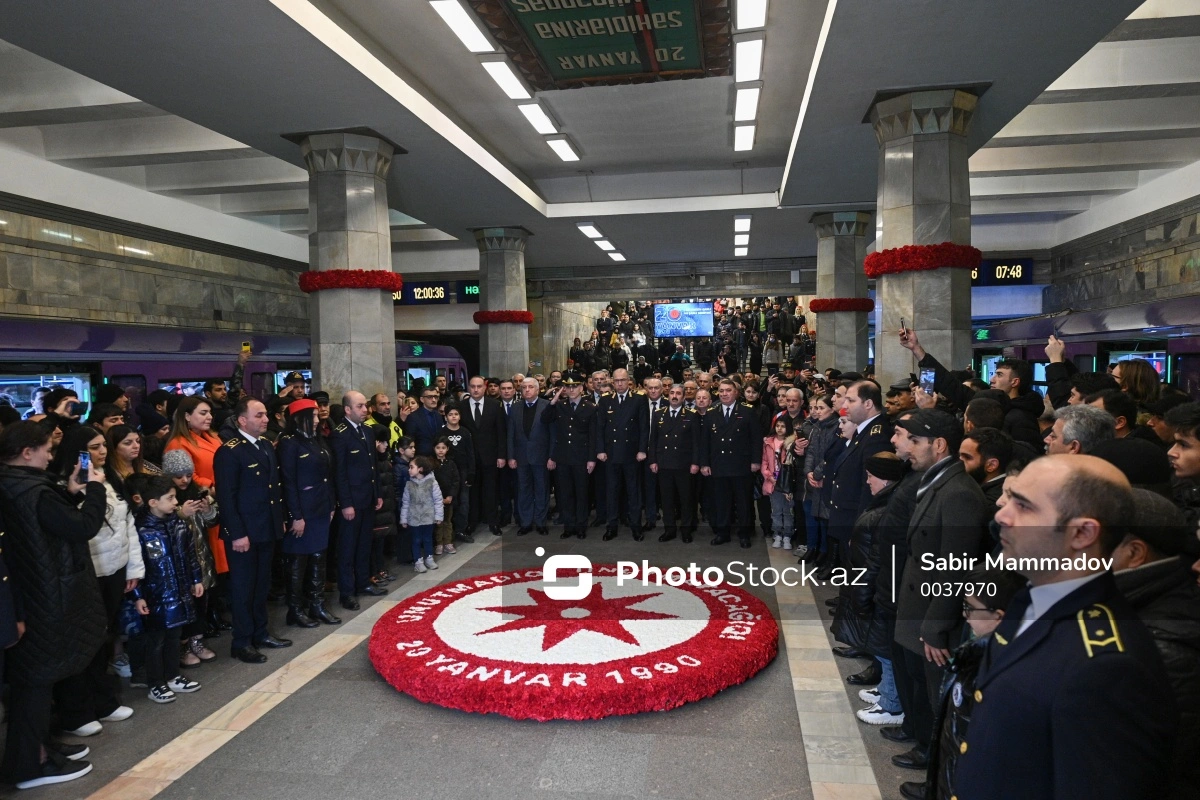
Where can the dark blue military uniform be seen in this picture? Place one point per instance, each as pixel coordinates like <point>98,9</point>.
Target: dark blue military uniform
<point>355,486</point>
<point>624,427</point>
<point>849,494</point>
<point>674,449</point>
<point>305,471</point>
<point>729,447</point>
<point>251,502</point>
<point>574,448</point>
<point>1079,705</point>
<point>599,478</point>
<point>647,479</point>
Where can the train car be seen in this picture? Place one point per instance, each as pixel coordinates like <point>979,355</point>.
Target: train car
<point>1166,333</point>
<point>80,355</point>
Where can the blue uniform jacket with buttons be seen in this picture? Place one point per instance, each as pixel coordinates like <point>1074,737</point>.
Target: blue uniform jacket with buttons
<point>1077,706</point>
<point>575,437</point>
<point>674,442</point>
<point>624,427</point>
<point>848,472</point>
<point>248,490</point>
<point>730,448</point>
<point>354,466</point>
<point>305,471</point>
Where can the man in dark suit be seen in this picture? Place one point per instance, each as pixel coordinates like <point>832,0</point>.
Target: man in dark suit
<point>506,490</point>
<point>951,517</point>
<point>624,426</point>
<point>574,454</point>
<point>1071,699</point>
<point>730,453</point>
<point>597,389</point>
<point>424,423</point>
<point>849,494</point>
<point>648,480</point>
<point>530,442</point>
<point>674,460</point>
<point>251,501</point>
<point>353,446</point>
<point>488,424</point>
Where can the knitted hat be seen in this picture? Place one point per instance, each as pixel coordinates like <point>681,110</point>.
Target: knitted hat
<point>177,463</point>
<point>886,466</point>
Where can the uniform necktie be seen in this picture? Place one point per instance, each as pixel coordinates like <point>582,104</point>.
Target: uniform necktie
<point>674,413</point>
<point>477,412</point>
<point>727,413</point>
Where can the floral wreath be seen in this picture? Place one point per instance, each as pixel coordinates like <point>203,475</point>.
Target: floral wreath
<point>841,304</point>
<point>503,317</point>
<point>915,257</point>
<point>382,279</point>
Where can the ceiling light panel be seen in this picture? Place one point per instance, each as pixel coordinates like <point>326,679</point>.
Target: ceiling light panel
<point>502,73</point>
<point>741,239</point>
<point>538,118</point>
<point>605,244</point>
<point>743,137</point>
<point>741,251</point>
<point>741,223</point>
<point>617,256</point>
<point>747,58</point>
<point>745,107</point>
<point>563,147</point>
<point>463,24</point>
<point>589,230</point>
<point>751,14</point>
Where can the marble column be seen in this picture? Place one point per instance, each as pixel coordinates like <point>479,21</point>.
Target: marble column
<point>353,330</point>
<point>924,198</point>
<point>841,244</point>
<point>503,348</point>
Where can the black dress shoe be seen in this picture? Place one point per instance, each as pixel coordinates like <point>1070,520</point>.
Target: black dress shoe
<point>687,538</point>
<point>832,601</point>
<point>666,537</point>
<point>464,537</point>
<point>913,759</point>
<point>610,534</point>
<point>896,733</point>
<point>850,652</point>
<point>744,544</point>
<point>273,642</point>
<point>249,655</point>
<point>496,530</point>
<point>913,790</point>
<point>543,530</point>
<point>374,591</point>
<point>719,540</point>
<point>522,531</point>
<point>566,534</point>
<point>649,526</point>
<point>638,535</point>
<point>870,676</point>
<point>349,603</point>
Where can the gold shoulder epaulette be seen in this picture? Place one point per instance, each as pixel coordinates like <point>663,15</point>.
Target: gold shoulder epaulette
<point>877,428</point>
<point>234,442</point>
<point>1099,630</point>
<point>340,428</point>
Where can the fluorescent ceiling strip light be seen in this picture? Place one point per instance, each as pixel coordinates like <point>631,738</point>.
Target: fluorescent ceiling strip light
<point>538,118</point>
<point>808,89</point>
<point>741,239</point>
<point>605,244</point>
<point>747,58</point>
<point>741,251</point>
<point>745,107</point>
<point>666,205</point>
<point>616,256</point>
<point>589,230</point>
<point>562,146</point>
<point>463,24</point>
<point>502,73</point>
<point>743,137</point>
<point>741,223</point>
<point>751,14</point>
<point>350,50</point>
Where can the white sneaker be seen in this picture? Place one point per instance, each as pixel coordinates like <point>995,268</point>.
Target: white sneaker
<point>869,696</point>
<point>437,550</point>
<point>120,666</point>
<point>89,729</point>
<point>449,549</point>
<point>183,685</point>
<point>875,715</point>
<point>419,566</point>
<point>54,772</point>
<point>787,543</point>
<point>118,714</point>
<point>778,542</point>
<point>161,694</point>
<point>430,563</point>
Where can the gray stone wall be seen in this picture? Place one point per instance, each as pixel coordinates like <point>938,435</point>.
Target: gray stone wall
<point>55,270</point>
<point>554,328</point>
<point>1153,257</point>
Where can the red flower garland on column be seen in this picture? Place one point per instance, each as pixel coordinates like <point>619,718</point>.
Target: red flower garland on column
<point>841,304</point>
<point>915,257</point>
<point>503,317</point>
<point>382,279</point>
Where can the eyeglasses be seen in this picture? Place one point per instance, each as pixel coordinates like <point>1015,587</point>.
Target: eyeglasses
<point>967,608</point>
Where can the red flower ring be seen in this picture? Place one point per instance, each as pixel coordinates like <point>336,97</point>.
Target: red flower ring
<point>499,644</point>
<point>380,279</point>
<point>914,257</point>
<point>841,304</point>
<point>503,317</point>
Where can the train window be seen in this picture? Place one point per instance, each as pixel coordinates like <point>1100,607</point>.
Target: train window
<point>1187,374</point>
<point>17,390</point>
<point>185,388</point>
<point>134,386</point>
<point>421,372</point>
<point>263,385</point>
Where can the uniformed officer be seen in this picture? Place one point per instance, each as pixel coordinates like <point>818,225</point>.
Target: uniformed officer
<point>1072,699</point>
<point>849,493</point>
<point>574,455</point>
<point>648,481</point>
<point>624,426</point>
<point>248,493</point>
<point>673,457</point>
<point>730,452</point>
<point>305,469</point>
<point>597,390</point>
<point>357,497</point>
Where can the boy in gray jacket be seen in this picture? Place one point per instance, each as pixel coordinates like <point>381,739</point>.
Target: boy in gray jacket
<point>422,509</point>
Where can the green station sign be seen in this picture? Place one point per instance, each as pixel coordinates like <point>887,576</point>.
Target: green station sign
<point>596,39</point>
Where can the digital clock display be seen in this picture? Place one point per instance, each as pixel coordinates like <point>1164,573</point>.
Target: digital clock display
<point>1003,272</point>
<point>422,294</point>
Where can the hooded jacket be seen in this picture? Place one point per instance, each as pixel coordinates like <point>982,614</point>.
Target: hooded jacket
<point>1021,420</point>
<point>171,570</point>
<point>422,501</point>
<point>116,545</point>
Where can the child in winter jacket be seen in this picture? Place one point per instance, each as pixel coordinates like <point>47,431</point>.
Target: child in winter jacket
<point>384,527</point>
<point>406,451</point>
<point>462,452</point>
<point>448,479</point>
<point>421,509</point>
<point>779,480</point>
<point>164,596</point>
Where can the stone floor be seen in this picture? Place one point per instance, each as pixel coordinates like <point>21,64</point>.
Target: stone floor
<point>316,721</point>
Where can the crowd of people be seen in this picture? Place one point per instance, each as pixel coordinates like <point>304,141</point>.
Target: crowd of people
<point>131,549</point>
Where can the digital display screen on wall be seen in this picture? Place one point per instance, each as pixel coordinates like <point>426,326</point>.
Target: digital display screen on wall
<point>683,319</point>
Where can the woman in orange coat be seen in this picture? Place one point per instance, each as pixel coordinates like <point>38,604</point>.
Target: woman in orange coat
<point>191,431</point>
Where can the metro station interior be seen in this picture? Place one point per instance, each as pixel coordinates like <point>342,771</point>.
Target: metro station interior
<point>381,193</point>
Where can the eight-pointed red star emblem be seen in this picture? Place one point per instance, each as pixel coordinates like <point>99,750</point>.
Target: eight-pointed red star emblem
<point>563,618</point>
